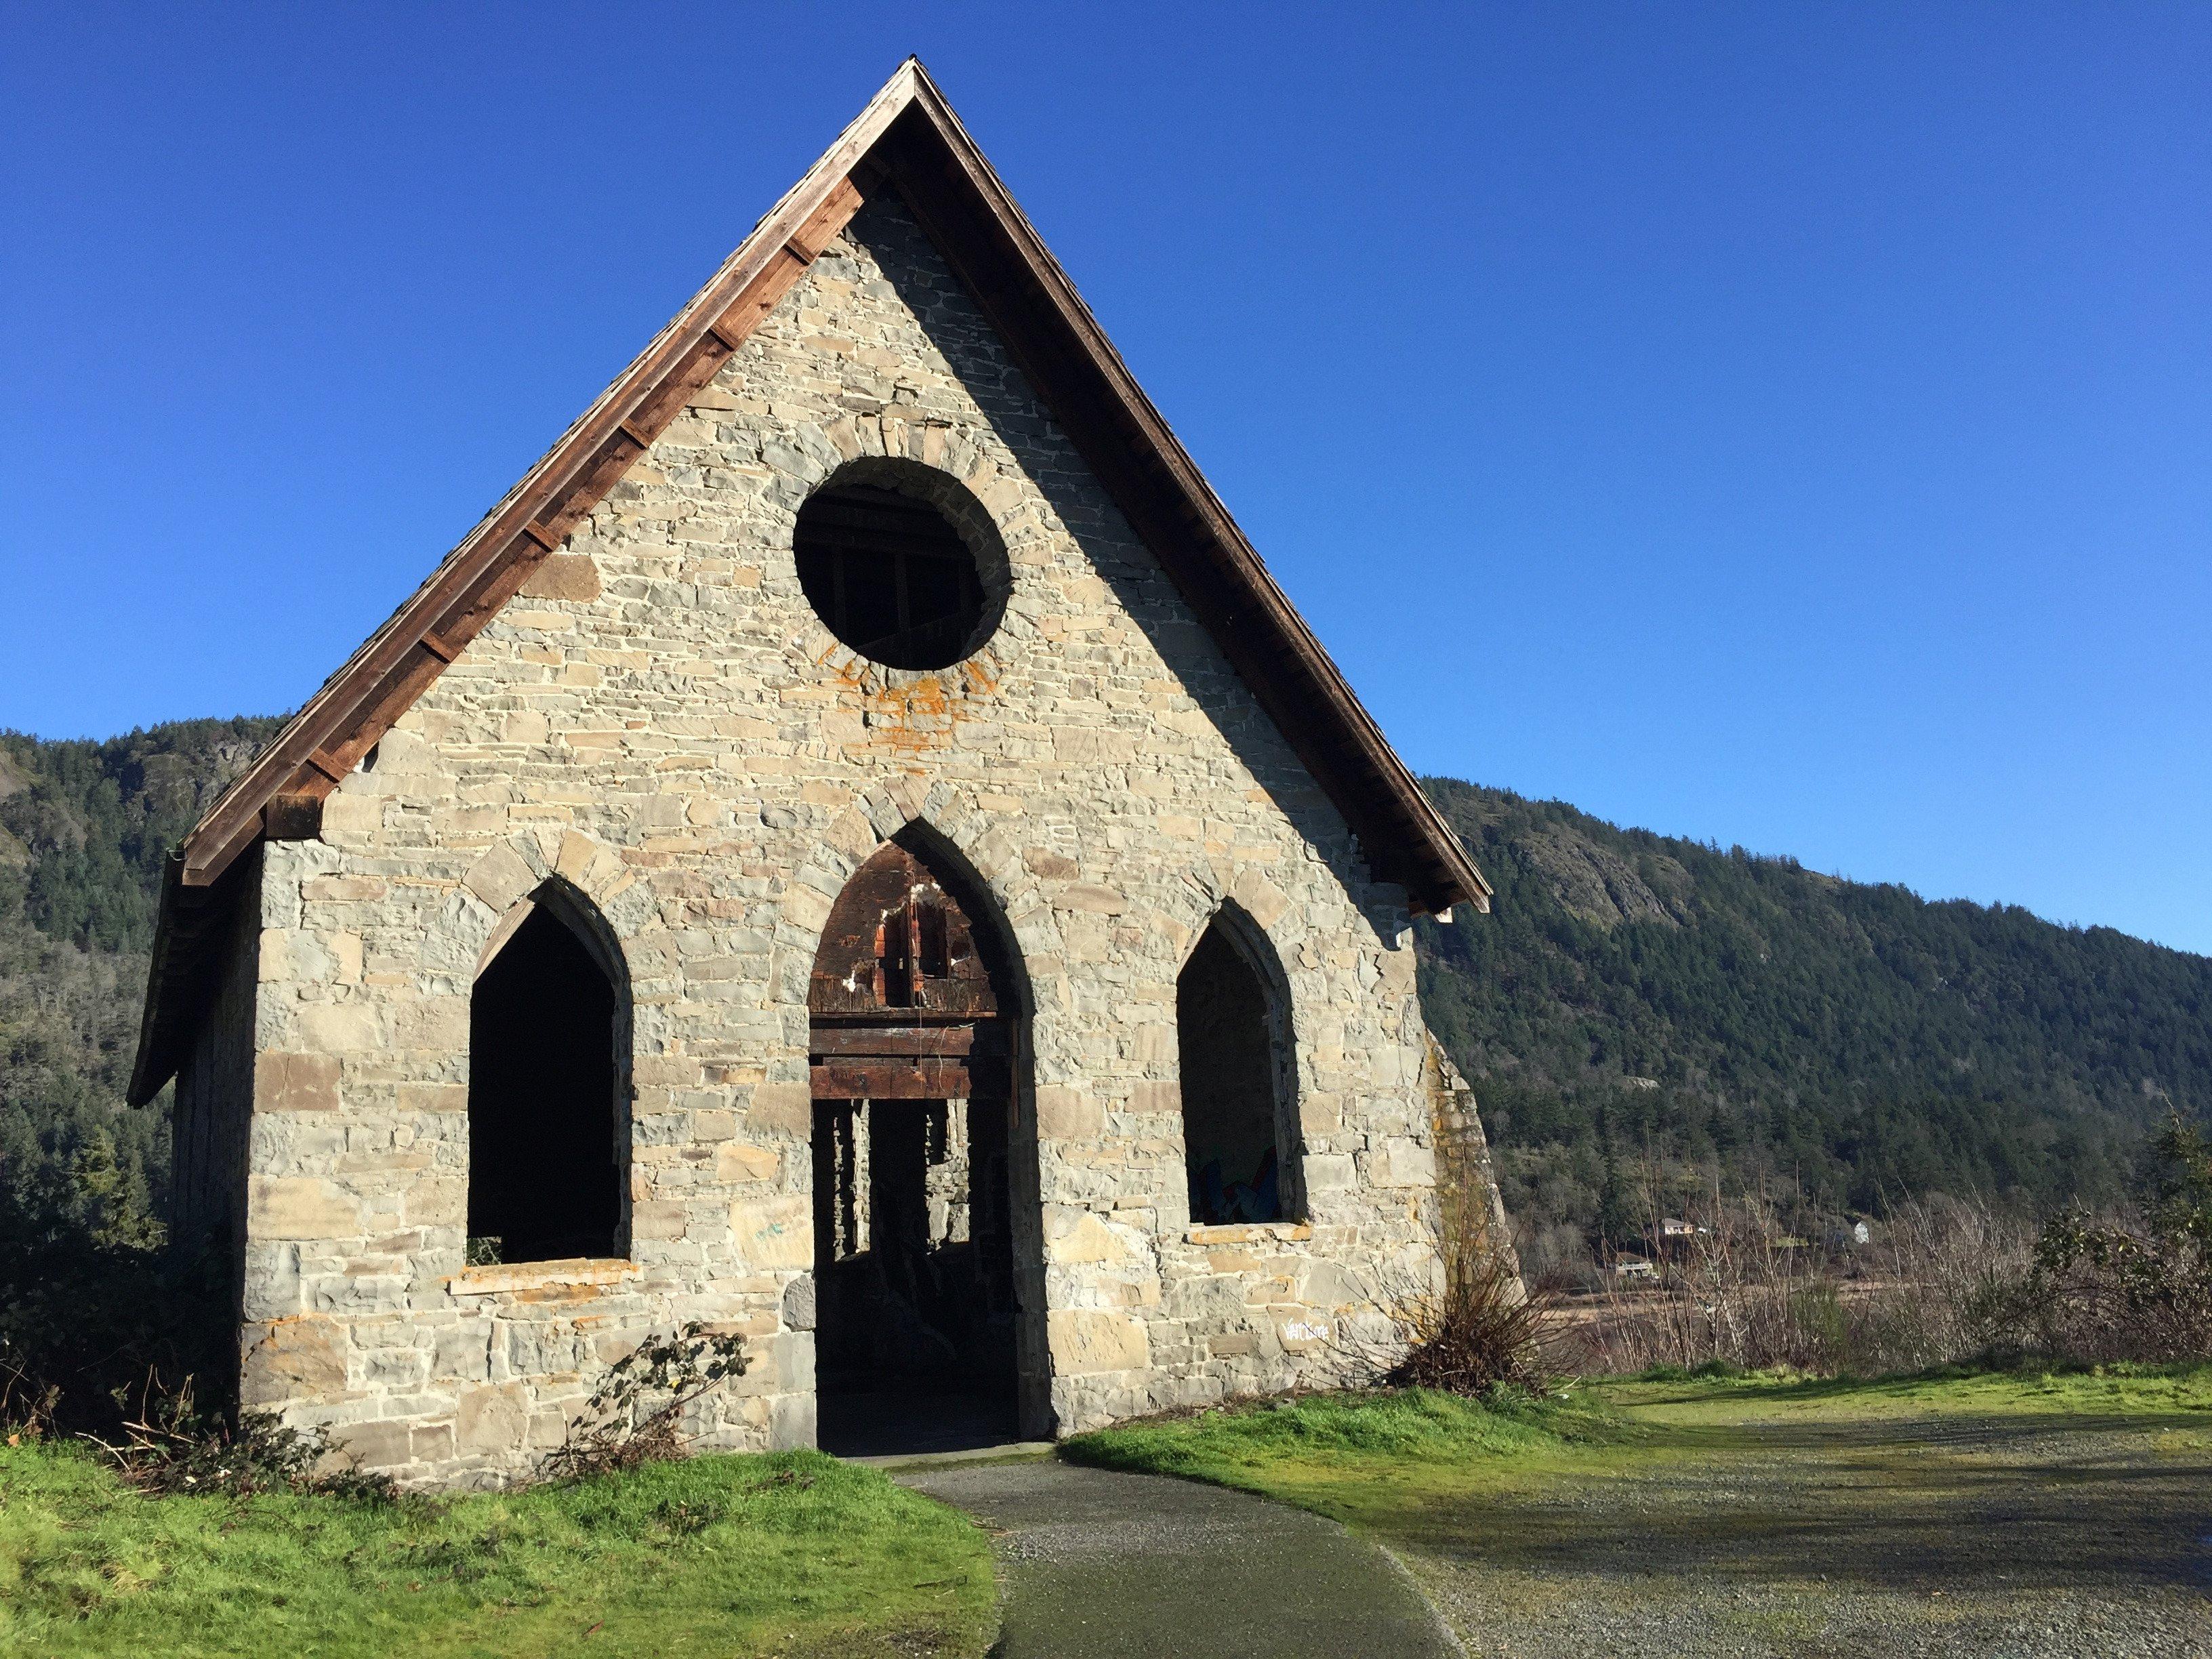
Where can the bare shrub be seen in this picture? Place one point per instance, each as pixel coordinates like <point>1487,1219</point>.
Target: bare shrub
<point>173,1448</point>
<point>636,1413</point>
<point>1480,1328</point>
<point>29,1406</point>
<point>1557,1257</point>
<point>1946,1283</point>
<point>1725,1299</point>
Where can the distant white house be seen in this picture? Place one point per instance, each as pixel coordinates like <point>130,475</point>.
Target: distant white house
<point>1850,1238</point>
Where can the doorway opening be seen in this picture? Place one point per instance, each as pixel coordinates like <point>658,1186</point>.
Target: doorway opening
<point>913,1024</point>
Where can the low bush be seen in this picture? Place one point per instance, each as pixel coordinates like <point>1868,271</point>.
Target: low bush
<point>2133,1289</point>
<point>636,1413</point>
<point>1948,1282</point>
<point>1480,1330</point>
<point>174,1449</point>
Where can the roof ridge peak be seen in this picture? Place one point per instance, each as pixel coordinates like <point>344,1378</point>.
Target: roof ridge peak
<point>906,139</point>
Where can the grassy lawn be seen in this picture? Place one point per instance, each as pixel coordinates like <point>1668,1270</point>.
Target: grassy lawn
<point>1945,1514</point>
<point>1365,1458</point>
<point>791,1554</point>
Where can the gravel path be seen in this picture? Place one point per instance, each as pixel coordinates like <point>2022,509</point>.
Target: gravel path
<point>1102,1565</point>
<point>2001,1538</point>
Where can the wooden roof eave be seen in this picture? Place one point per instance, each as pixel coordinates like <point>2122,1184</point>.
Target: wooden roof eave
<point>315,751</point>
<point>1447,875</point>
<point>339,723</point>
<point>186,934</point>
<point>1404,838</point>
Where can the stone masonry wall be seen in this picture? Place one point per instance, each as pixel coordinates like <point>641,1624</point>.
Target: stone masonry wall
<point>213,1112</point>
<point>661,720</point>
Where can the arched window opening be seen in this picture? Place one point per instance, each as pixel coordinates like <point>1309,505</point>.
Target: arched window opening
<point>548,1074</point>
<point>893,573</point>
<point>1232,1040</point>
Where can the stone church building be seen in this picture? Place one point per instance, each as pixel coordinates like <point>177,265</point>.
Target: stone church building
<point>854,849</point>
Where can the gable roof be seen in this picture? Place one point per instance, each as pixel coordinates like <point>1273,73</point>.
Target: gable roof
<point>907,142</point>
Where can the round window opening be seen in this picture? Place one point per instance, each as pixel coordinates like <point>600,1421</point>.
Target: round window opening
<point>893,577</point>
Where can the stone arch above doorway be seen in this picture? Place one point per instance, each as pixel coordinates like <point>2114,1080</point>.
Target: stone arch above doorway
<point>916,1046</point>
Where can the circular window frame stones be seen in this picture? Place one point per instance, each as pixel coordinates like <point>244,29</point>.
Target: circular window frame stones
<point>848,530</point>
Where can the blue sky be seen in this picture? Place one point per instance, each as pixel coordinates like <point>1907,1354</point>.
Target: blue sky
<point>1781,425</point>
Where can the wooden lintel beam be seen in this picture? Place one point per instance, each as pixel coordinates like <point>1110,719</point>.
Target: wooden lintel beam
<point>943,1042</point>
<point>890,1078</point>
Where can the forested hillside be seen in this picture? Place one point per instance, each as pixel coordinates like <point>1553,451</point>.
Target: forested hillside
<point>1635,1011</point>
<point>1641,1011</point>
<point>83,829</point>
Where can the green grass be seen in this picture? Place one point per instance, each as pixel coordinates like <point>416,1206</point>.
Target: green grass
<point>1393,1460</point>
<point>2181,1393</point>
<point>1356,1456</point>
<point>793,1553</point>
<point>1949,1513</point>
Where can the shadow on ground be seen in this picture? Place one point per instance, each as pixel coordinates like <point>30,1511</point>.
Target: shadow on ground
<point>2059,1535</point>
<point>2021,1501</point>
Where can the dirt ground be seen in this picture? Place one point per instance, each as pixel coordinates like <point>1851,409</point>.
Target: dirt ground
<point>1853,1524</point>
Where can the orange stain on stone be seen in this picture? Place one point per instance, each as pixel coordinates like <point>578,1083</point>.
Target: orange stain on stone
<point>919,714</point>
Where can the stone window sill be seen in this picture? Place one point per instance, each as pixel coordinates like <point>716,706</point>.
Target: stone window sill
<point>540,1275</point>
<point>1249,1232</point>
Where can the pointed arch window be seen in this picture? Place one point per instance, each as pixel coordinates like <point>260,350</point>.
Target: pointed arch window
<point>1234,1045</point>
<point>548,1086</point>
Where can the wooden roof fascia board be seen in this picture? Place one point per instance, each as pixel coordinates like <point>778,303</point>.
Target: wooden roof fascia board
<point>1162,443</point>
<point>1262,657</point>
<point>570,478</point>
<point>962,163</point>
<point>572,497</point>
<point>375,686</point>
<point>392,668</point>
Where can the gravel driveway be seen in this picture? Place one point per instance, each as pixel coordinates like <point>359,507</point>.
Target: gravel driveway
<point>1990,1536</point>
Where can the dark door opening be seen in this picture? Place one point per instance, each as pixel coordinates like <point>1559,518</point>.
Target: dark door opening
<point>915,1337</point>
<point>547,1067</point>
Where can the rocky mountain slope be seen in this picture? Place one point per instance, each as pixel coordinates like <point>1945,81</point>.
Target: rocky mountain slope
<point>1643,1015</point>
